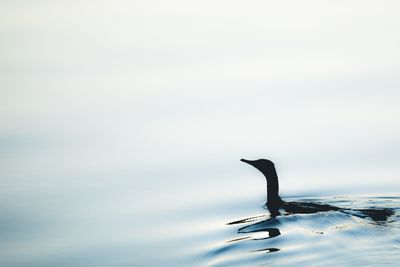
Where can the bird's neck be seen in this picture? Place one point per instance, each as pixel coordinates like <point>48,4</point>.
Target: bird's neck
<point>274,202</point>
<point>272,186</point>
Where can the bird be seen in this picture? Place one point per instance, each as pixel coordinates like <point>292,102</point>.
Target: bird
<point>275,203</point>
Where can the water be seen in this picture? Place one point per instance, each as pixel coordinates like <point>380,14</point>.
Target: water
<point>332,238</point>
<point>122,124</point>
<point>108,229</point>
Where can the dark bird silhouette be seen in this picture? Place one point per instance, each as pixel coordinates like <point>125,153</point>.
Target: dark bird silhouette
<point>275,203</point>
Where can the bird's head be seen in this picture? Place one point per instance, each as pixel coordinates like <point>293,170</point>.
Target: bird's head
<point>263,165</point>
<point>267,168</point>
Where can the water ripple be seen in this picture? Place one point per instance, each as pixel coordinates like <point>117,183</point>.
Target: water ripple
<point>334,238</point>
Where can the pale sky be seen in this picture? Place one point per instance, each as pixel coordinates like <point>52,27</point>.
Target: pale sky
<point>91,87</point>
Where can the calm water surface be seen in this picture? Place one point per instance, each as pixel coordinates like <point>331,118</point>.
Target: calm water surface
<point>109,230</point>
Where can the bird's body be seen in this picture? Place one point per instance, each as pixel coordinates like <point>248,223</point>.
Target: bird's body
<point>291,207</point>
<point>275,203</point>
<point>306,207</point>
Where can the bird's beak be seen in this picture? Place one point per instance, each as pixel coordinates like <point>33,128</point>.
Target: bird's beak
<point>248,161</point>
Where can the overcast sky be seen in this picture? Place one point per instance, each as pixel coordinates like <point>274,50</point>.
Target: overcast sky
<point>187,88</point>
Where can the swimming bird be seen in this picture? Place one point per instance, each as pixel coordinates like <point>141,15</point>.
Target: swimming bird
<point>275,203</point>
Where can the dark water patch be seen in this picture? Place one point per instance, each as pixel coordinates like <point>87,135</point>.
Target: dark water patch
<point>238,239</point>
<point>267,250</point>
<point>246,220</point>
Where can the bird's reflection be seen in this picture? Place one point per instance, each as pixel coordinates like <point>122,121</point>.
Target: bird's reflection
<point>262,226</point>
